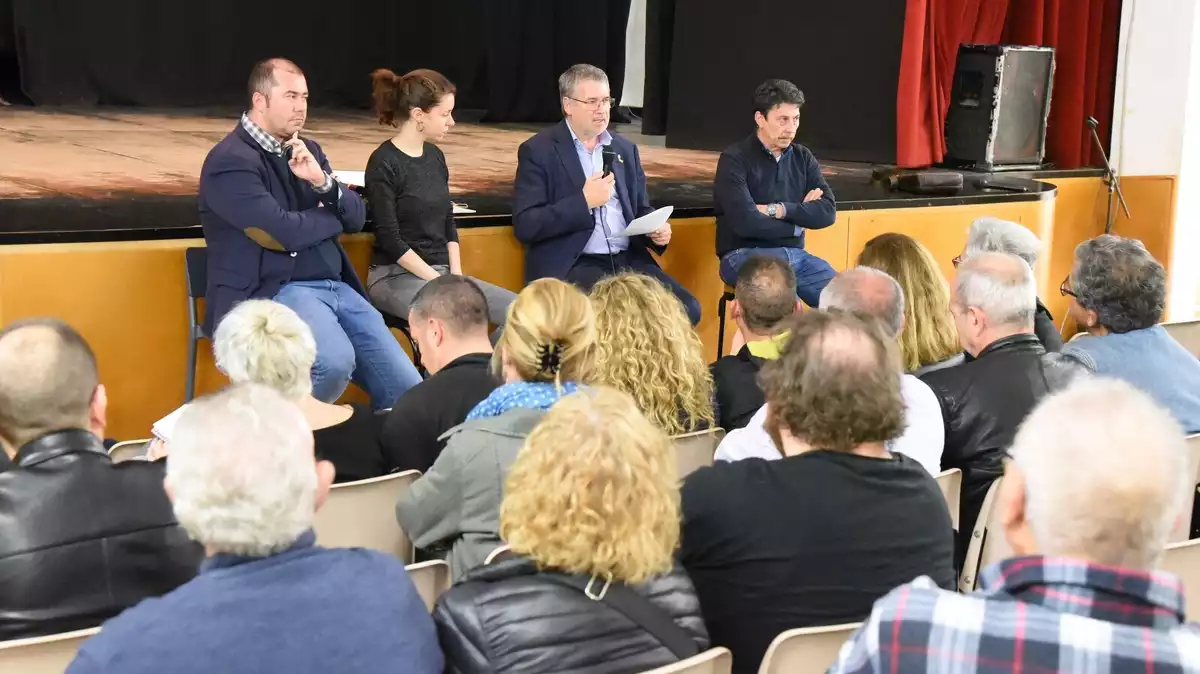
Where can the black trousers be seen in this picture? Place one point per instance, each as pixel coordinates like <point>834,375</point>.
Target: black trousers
<point>589,269</point>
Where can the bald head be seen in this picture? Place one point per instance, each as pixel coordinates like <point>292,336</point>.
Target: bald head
<point>48,382</point>
<point>835,385</point>
<point>867,292</point>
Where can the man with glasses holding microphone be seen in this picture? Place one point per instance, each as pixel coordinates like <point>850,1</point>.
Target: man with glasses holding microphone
<point>578,187</point>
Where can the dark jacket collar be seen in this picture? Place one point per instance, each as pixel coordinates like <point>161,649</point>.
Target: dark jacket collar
<point>484,359</point>
<point>1027,342</point>
<point>57,443</point>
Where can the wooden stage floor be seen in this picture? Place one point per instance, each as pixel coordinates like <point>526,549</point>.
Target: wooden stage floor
<point>70,169</point>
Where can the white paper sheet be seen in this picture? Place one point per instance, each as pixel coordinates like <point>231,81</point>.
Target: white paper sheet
<point>164,427</point>
<point>647,223</point>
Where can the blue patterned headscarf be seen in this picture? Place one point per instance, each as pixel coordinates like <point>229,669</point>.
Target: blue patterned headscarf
<point>530,395</point>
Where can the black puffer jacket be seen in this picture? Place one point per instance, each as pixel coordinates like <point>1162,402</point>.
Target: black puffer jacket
<point>983,403</point>
<point>504,617</point>
<point>83,538</point>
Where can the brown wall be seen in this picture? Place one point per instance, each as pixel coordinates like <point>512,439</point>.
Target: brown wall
<point>128,299</point>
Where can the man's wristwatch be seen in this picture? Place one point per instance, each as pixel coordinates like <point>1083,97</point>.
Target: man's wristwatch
<point>773,210</point>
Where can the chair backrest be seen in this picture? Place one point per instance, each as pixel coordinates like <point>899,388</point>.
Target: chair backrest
<point>809,649</point>
<point>43,655</point>
<point>695,450</point>
<point>1183,560</point>
<point>984,549</point>
<point>713,661</point>
<point>129,449</point>
<point>431,579</point>
<point>362,514</point>
<point>1187,333</point>
<point>950,482</point>
<point>196,268</point>
<point>1183,528</point>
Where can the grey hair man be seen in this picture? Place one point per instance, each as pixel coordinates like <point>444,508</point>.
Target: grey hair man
<point>81,538</point>
<point>983,401</point>
<point>577,189</point>
<point>1097,479</point>
<point>1117,293</point>
<point>993,235</point>
<point>449,322</point>
<point>245,483</point>
<point>871,294</point>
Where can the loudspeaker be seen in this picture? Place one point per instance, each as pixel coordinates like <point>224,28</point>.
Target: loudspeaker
<point>999,104</point>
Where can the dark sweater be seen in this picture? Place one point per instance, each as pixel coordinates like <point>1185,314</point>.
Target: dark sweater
<point>808,540</point>
<point>409,198</point>
<point>735,378</point>
<point>748,175</point>
<point>353,446</point>
<point>307,609</point>
<point>322,260</point>
<point>412,429</point>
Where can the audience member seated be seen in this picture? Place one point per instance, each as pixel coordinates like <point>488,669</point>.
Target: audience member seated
<point>245,483</point>
<point>984,401</point>
<point>591,516</point>
<point>1096,481</point>
<point>930,342</point>
<point>448,321</point>
<point>1118,292</point>
<point>763,298</point>
<point>81,538</point>
<point>993,235</point>
<point>265,342</point>
<point>646,347</point>
<point>873,294</point>
<point>547,349</point>
<point>816,537</point>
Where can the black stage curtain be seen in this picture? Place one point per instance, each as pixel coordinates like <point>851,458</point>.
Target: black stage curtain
<point>504,57</point>
<point>845,56</point>
<point>660,34</point>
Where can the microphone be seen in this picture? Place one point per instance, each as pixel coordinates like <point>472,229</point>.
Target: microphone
<point>609,156</point>
<point>1091,122</point>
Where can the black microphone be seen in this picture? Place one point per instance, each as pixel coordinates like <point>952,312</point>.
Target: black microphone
<point>609,156</point>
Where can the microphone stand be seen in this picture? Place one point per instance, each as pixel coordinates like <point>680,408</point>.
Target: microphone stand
<point>1111,179</point>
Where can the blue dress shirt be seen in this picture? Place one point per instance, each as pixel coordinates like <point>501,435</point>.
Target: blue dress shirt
<point>610,214</point>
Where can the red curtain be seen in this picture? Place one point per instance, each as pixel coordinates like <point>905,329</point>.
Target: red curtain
<point>1084,34</point>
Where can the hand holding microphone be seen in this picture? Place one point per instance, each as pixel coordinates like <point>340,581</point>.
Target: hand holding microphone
<point>598,189</point>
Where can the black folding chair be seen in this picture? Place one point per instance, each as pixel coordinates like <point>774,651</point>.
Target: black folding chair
<point>196,269</point>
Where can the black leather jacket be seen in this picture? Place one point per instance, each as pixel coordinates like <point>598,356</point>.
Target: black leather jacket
<point>82,538</point>
<point>504,618</point>
<point>983,403</point>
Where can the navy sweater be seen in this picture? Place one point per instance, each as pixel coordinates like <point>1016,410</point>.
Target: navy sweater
<point>308,609</point>
<point>748,175</point>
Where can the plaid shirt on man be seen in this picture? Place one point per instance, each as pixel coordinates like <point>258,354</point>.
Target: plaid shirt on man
<point>271,144</point>
<point>1034,615</point>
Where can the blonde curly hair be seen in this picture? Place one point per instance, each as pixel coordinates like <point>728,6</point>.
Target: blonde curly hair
<point>648,349</point>
<point>548,313</point>
<point>594,491</point>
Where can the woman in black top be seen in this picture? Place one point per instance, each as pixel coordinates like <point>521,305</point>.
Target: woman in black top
<point>408,193</point>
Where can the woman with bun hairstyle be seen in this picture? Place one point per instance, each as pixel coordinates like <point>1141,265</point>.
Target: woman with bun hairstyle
<point>408,191</point>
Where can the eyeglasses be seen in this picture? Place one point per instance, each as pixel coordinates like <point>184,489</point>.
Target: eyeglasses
<point>595,103</point>
<point>956,261</point>
<point>1065,288</point>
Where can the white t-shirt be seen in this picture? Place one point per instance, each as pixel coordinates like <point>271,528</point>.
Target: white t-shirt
<point>923,439</point>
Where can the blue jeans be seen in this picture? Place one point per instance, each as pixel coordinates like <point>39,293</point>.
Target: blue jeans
<point>352,343</point>
<point>812,273</point>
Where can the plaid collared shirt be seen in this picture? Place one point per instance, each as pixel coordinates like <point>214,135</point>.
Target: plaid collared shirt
<point>271,144</point>
<point>1034,615</point>
<point>264,139</point>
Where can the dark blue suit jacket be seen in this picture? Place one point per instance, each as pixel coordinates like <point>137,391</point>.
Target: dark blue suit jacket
<point>550,215</point>
<point>253,232</point>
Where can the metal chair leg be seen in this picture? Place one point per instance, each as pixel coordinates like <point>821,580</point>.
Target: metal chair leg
<point>190,386</point>
<point>721,325</point>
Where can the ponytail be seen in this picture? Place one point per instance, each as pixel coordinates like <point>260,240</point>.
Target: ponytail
<point>395,96</point>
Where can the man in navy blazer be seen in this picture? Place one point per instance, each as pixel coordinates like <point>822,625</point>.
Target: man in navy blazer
<point>272,215</point>
<point>568,213</point>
